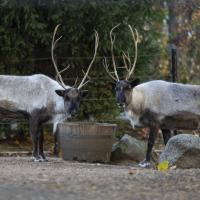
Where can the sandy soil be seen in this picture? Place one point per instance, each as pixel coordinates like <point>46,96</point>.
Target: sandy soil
<point>57,179</point>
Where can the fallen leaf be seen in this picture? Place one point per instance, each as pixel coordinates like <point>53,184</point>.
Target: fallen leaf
<point>164,165</point>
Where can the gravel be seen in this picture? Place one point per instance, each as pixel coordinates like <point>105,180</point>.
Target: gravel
<point>57,179</point>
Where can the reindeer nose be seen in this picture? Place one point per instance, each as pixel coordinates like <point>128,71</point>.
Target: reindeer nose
<point>73,113</point>
<point>121,105</point>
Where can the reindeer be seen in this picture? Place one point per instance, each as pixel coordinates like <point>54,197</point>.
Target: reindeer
<point>40,99</point>
<point>155,104</point>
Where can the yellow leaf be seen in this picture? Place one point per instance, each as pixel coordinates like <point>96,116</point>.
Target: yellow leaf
<point>164,165</point>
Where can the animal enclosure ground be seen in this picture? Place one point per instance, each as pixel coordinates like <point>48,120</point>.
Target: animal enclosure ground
<point>57,179</point>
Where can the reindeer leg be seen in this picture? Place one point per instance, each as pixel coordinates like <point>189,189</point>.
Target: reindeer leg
<point>166,135</point>
<point>56,145</point>
<point>34,129</point>
<point>36,119</point>
<point>40,145</point>
<point>151,140</point>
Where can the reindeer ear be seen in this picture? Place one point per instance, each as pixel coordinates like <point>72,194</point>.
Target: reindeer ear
<point>84,93</point>
<point>135,82</point>
<point>60,92</point>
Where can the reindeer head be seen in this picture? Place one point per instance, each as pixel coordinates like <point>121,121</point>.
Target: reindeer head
<point>123,90</point>
<point>123,87</point>
<point>71,95</point>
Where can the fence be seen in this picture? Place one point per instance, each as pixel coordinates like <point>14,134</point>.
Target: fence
<point>173,76</point>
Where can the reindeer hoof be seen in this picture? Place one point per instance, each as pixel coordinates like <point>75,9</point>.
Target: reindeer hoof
<point>39,158</point>
<point>144,164</point>
<point>56,153</point>
<point>36,159</point>
<point>42,158</point>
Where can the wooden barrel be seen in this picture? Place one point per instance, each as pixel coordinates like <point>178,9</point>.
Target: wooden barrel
<point>90,142</point>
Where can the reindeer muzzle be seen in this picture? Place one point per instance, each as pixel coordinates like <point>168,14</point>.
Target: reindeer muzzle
<point>121,105</point>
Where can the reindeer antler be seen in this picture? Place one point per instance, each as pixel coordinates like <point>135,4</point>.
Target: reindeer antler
<point>112,41</point>
<point>58,73</point>
<point>135,37</point>
<point>83,83</point>
<point>126,57</point>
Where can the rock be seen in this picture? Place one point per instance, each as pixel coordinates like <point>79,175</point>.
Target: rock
<point>129,149</point>
<point>183,151</point>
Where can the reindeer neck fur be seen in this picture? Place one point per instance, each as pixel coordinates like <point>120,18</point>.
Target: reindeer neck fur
<point>134,106</point>
<point>134,101</point>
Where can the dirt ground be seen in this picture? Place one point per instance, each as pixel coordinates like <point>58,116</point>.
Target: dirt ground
<point>57,179</point>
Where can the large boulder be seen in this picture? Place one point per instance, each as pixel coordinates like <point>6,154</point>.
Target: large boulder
<point>183,151</point>
<point>129,150</point>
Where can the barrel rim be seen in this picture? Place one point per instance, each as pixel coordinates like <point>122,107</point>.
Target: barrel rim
<point>87,123</point>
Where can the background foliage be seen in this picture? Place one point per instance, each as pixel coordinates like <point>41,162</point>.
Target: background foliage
<point>26,33</point>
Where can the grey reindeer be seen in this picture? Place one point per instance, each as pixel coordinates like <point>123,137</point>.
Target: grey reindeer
<point>40,99</point>
<point>155,104</point>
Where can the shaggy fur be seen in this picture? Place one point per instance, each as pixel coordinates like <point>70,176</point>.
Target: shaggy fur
<point>28,93</point>
<point>165,100</point>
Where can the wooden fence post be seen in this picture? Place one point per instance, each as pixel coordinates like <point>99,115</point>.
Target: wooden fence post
<point>173,67</point>
<point>173,71</point>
